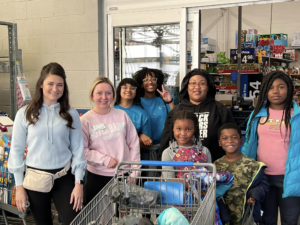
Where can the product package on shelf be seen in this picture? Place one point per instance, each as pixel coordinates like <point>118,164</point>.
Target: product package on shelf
<point>22,90</point>
<point>23,93</point>
<point>5,122</point>
<point>7,181</point>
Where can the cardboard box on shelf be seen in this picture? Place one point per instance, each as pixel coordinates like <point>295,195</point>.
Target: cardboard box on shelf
<point>208,41</point>
<point>210,48</point>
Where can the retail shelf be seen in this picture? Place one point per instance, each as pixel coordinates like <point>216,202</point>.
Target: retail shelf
<point>242,110</point>
<point>221,74</point>
<point>295,74</point>
<point>211,63</point>
<point>293,47</point>
<point>279,60</point>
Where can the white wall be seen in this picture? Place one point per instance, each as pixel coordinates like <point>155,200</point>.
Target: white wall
<point>63,31</point>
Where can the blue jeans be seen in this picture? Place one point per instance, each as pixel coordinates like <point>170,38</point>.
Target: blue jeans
<point>289,207</point>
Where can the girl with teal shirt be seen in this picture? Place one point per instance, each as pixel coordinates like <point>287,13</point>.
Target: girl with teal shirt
<point>128,100</point>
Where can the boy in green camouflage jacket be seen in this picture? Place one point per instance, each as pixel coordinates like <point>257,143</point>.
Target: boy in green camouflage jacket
<point>250,183</point>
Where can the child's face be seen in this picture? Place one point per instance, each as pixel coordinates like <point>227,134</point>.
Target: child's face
<point>184,131</point>
<point>278,94</point>
<point>230,140</point>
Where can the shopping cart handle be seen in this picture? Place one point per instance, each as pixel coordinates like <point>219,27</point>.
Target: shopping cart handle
<point>165,163</point>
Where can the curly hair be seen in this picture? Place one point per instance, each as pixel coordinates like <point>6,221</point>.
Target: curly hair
<point>141,74</point>
<point>209,79</point>
<point>132,82</point>
<point>263,96</point>
<point>187,115</point>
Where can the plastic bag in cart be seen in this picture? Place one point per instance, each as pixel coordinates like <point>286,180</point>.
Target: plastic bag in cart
<point>137,196</point>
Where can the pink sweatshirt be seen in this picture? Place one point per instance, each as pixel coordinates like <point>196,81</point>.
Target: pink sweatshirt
<point>106,136</point>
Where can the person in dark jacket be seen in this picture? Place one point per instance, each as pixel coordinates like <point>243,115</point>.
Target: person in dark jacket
<point>197,94</point>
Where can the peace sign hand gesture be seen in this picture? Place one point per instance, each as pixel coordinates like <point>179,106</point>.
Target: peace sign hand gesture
<point>166,96</point>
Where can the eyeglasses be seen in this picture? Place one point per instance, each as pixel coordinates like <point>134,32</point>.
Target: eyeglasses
<point>154,80</point>
<point>194,84</point>
<point>131,88</point>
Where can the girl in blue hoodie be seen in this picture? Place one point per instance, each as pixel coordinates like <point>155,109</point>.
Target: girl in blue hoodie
<point>272,137</point>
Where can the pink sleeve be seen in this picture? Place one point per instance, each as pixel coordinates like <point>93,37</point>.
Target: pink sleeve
<point>133,143</point>
<point>93,157</point>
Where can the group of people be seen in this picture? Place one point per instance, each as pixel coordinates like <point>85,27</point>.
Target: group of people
<point>138,121</point>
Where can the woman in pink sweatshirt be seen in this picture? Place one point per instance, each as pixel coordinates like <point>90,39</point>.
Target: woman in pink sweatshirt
<point>109,138</point>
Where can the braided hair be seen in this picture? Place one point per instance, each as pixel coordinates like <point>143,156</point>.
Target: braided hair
<point>187,115</point>
<point>263,96</point>
<point>140,75</point>
<point>136,100</point>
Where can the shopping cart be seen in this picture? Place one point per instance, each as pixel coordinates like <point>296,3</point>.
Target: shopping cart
<point>150,196</point>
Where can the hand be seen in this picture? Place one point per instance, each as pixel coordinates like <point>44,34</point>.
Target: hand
<point>166,96</point>
<point>112,163</point>
<point>146,140</point>
<point>250,200</point>
<point>21,198</point>
<point>77,197</point>
<point>131,180</point>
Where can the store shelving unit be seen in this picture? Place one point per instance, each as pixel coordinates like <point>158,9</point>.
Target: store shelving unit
<point>9,61</point>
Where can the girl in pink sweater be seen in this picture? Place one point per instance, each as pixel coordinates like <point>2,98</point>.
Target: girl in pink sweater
<point>109,138</point>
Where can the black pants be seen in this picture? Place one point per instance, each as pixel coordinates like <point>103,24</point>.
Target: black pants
<point>94,184</point>
<point>289,207</point>
<point>40,203</point>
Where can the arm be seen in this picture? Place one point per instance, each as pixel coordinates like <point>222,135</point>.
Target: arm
<point>171,105</point>
<point>145,137</point>
<point>93,157</point>
<point>76,147</point>
<point>166,135</point>
<point>16,163</point>
<point>259,191</point>
<point>133,144</point>
<point>166,157</point>
<point>208,155</point>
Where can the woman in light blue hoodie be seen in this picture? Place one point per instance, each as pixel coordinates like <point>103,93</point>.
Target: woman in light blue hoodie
<point>52,130</point>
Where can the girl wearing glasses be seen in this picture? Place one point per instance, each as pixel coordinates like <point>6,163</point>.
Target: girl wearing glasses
<point>129,101</point>
<point>109,137</point>
<point>156,101</point>
<point>197,95</point>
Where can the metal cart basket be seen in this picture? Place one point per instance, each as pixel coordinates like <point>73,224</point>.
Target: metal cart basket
<point>130,196</point>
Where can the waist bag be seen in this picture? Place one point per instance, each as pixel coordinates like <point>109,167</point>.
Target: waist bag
<point>41,181</point>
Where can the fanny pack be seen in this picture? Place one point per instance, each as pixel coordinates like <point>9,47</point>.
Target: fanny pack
<point>41,181</point>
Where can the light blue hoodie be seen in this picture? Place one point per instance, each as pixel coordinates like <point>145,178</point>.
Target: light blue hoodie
<point>51,144</point>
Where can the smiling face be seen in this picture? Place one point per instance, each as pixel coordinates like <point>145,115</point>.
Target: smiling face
<point>103,96</point>
<point>53,89</point>
<point>277,94</point>
<point>197,89</point>
<point>230,141</point>
<point>149,83</point>
<point>128,91</point>
<point>184,131</point>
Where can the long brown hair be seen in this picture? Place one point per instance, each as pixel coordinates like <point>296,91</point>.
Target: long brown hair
<point>32,111</point>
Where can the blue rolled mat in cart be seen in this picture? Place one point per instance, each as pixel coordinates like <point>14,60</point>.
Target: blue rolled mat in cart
<point>171,192</point>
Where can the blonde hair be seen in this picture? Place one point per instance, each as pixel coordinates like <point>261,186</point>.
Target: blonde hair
<point>100,80</point>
